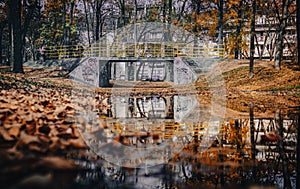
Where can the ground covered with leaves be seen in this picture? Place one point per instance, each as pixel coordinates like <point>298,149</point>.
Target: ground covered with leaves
<point>37,112</point>
<point>268,90</point>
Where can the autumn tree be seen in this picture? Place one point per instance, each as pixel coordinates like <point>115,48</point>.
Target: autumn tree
<point>252,50</point>
<point>298,134</point>
<point>298,29</point>
<point>282,14</point>
<point>123,7</point>
<point>95,12</point>
<point>59,26</point>
<point>220,5</point>
<point>3,24</point>
<point>241,13</point>
<point>14,18</point>
<point>101,13</point>
<point>31,20</point>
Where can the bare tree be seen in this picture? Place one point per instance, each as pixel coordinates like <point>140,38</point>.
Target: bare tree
<point>2,26</point>
<point>282,16</point>
<point>220,21</point>
<point>87,22</point>
<point>239,27</point>
<point>100,18</point>
<point>282,151</point>
<point>298,138</point>
<point>14,17</point>
<point>252,50</point>
<point>298,28</point>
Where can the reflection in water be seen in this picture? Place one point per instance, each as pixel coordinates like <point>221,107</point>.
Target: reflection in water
<point>150,130</point>
<point>243,152</point>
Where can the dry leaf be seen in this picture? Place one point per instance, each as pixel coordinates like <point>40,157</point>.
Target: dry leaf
<point>55,143</point>
<point>5,135</point>
<point>59,111</point>
<point>57,163</point>
<point>77,143</point>
<point>14,131</point>
<point>26,139</point>
<point>8,106</point>
<point>50,117</point>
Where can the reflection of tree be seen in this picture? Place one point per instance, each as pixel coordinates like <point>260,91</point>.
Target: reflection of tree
<point>231,163</point>
<point>282,151</point>
<point>142,112</point>
<point>298,148</point>
<point>239,160</point>
<point>253,146</point>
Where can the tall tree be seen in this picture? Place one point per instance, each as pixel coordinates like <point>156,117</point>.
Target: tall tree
<point>87,21</point>
<point>298,142</point>
<point>100,18</point>
<point>282,15</point>
<point>239,27</point>
<point>59,26</point>
<point>220,21</point>
<point>121,4</point>
<point>3,23</point>
<point>30,22</point>
<point>298,29</point>
<point>14,17</point>
<point>252,50</point>
<point>282,150</point>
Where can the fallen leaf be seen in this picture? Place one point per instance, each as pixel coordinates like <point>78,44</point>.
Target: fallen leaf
<point>50,117</point>
<point>44,129</point>
<point>57,163</point>
<point>26,139</point>
<point>8,106</point>
<point>54,144</point>
<point>59,111</point>
<point>78,143</point>
<point>14,131</point>
<point>5,135</point>
<point>36,181</point>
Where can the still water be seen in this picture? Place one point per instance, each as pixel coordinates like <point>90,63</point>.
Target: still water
<point>176,142</point>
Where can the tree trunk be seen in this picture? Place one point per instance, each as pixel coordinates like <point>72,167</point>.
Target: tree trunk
<point>1,33</point>
<point>16,37</point>
<point>281,33</point>
<point>64,38</point>
<point>298,32</point>
<point>238,30</point>
<point>252,48</point>
<point>87,22</point>
<point>220,21</point>
<point>70,23</point>
<point>298,147</point>
<point>252,130</point>
<point>123,10</point>
<point>252,139</point>
<point>98,20</point>
<point>170,12</point>
<point>286,174</point>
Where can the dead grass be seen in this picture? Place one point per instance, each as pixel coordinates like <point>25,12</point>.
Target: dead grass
<point>268,90</point>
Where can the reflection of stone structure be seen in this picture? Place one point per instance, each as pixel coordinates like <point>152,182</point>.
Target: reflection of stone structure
<point>184,105</point>
<point>174,107</point>
<point>164,116</point>
<point>147,107</point>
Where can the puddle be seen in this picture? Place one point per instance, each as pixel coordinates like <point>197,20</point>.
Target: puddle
<point>173,142</point>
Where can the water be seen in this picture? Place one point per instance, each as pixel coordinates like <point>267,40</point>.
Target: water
<point>173,142</point>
